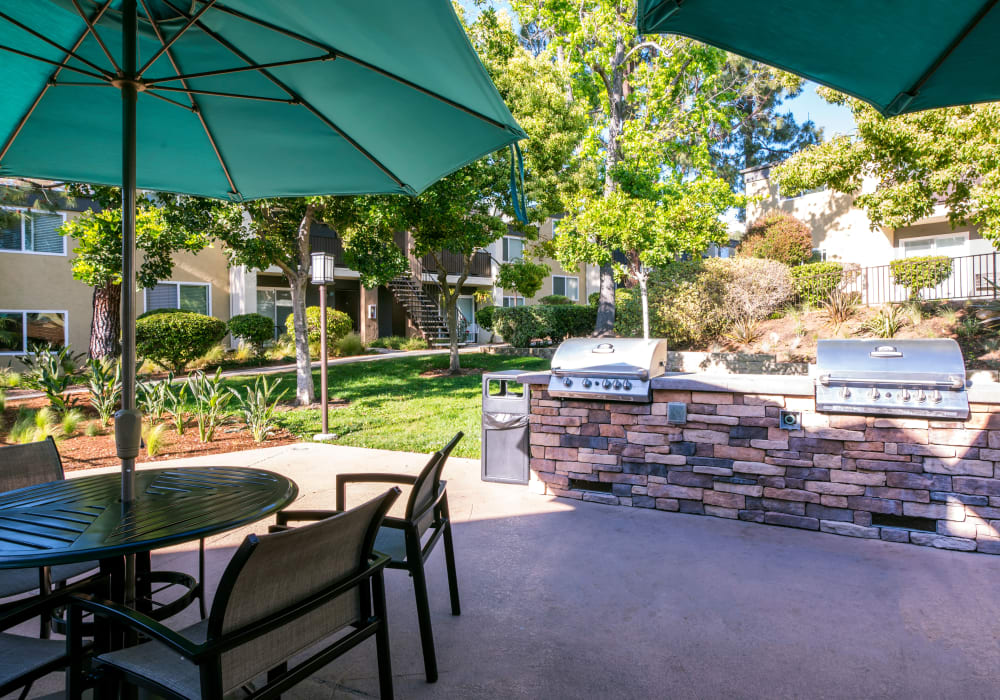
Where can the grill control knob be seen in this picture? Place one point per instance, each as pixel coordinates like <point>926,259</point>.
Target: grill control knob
<point>845,393</point>
<point>873,394</point>
<point>568,382</point>
<point>906,395</point>
<point>606,384</point>
<point>618,384</point>
<point>626,385</point>
<point>936,396</point>
<point>921,396</point>
<point>586,383</point>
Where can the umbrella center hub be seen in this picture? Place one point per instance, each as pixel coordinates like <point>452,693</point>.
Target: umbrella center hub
<point>121,82</point>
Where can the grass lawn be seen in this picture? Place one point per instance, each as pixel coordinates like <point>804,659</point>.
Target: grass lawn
<point>391,407</point>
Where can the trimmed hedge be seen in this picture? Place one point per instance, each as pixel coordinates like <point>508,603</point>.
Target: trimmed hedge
<point>917,274</point>
<point>255,329</point>
<point>486,316</point>
<point>338,324</point>
<point>157,312</point>
<point>174,339</point>
<point>519,325</point>
<point>814,282</point>
<point>556,300</point>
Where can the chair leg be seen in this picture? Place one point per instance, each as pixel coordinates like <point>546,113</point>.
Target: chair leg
<point>449,557</point>
<point>424,616</point>
<point>201,578</point>
<point>44,589</point>
<point>382,638</point>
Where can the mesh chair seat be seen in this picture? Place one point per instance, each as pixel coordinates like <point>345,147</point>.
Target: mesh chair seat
<point>393,543</point>
<point>19,655</point>
<point>155,662</point>
<point>18,581</point>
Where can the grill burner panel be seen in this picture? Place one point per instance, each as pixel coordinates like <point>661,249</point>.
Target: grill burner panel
<point>919,378</point>
<point>616,369</point>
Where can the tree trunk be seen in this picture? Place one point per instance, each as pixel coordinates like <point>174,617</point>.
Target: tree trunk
<point>305,393</point>
<point>449,295</point>
<point>106,325</point>
<point>645,306</point>
<point>606,303</point>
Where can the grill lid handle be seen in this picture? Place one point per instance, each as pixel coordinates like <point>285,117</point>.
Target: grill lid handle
<point>885,351</point>
<point>604,348</point>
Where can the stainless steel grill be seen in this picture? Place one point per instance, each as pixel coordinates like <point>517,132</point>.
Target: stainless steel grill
<point>612,369</point>
<point>922,378</point>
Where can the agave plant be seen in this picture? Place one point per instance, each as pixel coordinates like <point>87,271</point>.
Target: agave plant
<point>840,305</point>
<point>104,380</point>
<point>51,371</point>
<point>258,404</point>
<point>744,331</point>
<point>886,324</point>
<point>174,396</point>
<point>210,400</point>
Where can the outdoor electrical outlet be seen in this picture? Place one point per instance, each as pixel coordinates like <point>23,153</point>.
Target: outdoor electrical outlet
<point>789,420</point>
<point>677,412</point>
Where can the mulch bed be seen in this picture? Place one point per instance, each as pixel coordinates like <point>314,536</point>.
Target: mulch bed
<point>82,452</point>
<point>465,371</point>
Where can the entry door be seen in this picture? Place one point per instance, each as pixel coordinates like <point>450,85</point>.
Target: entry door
<point>467,308</point>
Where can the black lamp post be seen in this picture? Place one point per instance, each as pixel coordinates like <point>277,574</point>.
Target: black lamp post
<point>323,274</point>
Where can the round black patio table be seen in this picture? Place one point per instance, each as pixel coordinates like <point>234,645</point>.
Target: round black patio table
<point>83,519</point>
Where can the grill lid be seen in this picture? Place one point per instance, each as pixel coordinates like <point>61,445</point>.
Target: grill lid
<point>935,363</point>
<point>625,357</point>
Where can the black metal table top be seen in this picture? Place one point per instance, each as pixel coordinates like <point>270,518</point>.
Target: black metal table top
<point>83,519</point>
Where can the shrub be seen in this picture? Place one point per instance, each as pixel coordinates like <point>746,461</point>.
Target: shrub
<point>917,274</point>
<point>565,321</point>
<point>555,300</point>
<point>255,329</point>
<point>158,312</point>
<point>485,317</point>
<point>685,303</point>
<point>756,288</point>
<point>50,371</point>
<point>415,343</point>
<point>814,282</point>
<point>519,325</point>
<point>886,324</point>
<point>593,298</point>
<point>350,345</point>
<point>172,340</point>
<point>104,381</point>
<point>778,236</point>
<point>258,405</point>
<point>338,324</point>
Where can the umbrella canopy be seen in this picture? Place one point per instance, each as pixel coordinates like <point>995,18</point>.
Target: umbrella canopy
<point>898,55</point>
<point>242,99</point>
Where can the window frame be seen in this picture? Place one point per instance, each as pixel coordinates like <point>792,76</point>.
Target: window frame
<point>208,293</point>
<point>515,299</point>
<point>22,250</point>
<point>964,235</point>
<point>24,327</point>
<point>504,246</point>
<point>564,278</point>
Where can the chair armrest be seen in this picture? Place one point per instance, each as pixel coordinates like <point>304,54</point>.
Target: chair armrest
<point>286,516</point>
<point>344,479</point>
<point>139,622</point>
<point>20,611</point>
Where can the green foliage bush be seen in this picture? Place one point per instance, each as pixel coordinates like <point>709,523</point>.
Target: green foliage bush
<point>519,325</point>
<point>349,345</point>
<point>338,324</point>
<point>778,236</point>
<point>814,282</point>
<point>917,274</point>
<point>157,312</point>
<point>255,329</point>
<point>686,303</point>
<point>555,300</point>
<point>486,316</point>
<point>756,288</point>
<point>173,339</point>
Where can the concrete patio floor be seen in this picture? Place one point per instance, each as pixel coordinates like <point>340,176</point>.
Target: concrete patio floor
<point>563,599</point>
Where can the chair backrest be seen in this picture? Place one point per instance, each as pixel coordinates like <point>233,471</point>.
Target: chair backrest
<point>29,464</point>
<point>425,488</point>
<point>273,573</point>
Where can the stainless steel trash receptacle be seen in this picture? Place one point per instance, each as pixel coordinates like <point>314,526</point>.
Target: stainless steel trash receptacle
<point>505,428</point>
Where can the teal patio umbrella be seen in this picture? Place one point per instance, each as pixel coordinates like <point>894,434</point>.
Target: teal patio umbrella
<point>898,55</point>
<point>239,99</point>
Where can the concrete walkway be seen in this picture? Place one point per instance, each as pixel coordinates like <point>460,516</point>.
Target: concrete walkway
<point>563,599</point>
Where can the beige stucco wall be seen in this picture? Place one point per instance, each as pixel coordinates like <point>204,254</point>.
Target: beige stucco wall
<point>545,234</point>
<point>30,282</point>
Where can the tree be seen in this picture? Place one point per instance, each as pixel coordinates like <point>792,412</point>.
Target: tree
<point>98,257</point>
<point>909,164</point>
<point>269,232</point>
<point>653,103</point>
<point>778,236</point>
<point>522,277</point>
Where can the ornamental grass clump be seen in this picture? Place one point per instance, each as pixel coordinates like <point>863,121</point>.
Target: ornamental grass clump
<point>259,404</point>
<point>210,400</point>
<point>104,382</point>
<point>886,324</point>
<point>155,438</point>
<point>70,422</point>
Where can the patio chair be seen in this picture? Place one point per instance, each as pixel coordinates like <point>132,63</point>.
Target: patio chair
<point>402,538</point>
<point>280,595</point>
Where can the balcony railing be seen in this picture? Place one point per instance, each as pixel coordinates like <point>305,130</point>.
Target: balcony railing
<point>330,245</point>
<point>454,264</point>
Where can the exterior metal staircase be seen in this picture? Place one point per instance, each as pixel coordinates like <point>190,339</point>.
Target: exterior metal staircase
<point>421,309</point>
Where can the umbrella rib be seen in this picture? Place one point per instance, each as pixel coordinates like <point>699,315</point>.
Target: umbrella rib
<point>241,69</point>
<point>305,103</point>
<point>52,62</point>
<point>183,106</point>
<point>59,66</point>
<point>194,104</point>
<point>97,37</point>
<point>948,51</point>
<point>70,53</point>
<point>361,62</point>
<point>214,93</point>
<point>180,32</point>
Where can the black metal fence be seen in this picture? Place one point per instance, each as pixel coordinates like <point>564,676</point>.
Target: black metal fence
<point>971,278</point>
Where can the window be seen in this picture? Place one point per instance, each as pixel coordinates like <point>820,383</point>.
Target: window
<point>818,255</point>
<point>33,232</point>
<point>276,304</point>
<point>22,330</point>
<point>952,245</point>
<point>566,286</point>
<point>513,248</point>
<point>513,301</point>
<point>187,296</point>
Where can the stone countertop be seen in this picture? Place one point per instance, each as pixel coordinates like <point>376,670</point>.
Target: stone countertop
<point>788,385</point>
